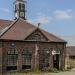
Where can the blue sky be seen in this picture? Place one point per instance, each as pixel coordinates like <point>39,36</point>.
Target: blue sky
<point>55,16</point>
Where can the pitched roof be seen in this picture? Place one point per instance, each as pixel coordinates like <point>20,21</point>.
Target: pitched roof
<point>52,37</point>
<point>71,50</point>
<point>4,23</point>
<point>20,29</point>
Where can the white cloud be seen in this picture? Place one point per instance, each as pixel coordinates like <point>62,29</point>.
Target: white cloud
<point>58,14</point>
<point>69,10</point>
<point>63,14</point>
<point>5,10</point>
<point>43,20</point>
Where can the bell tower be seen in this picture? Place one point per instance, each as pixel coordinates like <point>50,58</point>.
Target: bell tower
<point>19,6</point>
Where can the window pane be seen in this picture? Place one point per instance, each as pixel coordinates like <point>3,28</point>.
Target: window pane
<point>12,57</point>
<point>27,55</point>
<point>58,51</point>
<point>44,58</point>
<point>22,6</point>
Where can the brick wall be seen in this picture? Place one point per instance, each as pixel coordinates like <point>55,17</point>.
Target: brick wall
<point>20,46</point>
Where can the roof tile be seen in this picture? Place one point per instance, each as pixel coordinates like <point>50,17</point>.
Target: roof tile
<point>20,29</point>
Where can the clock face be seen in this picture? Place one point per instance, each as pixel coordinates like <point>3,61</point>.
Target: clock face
<point>21,14</point>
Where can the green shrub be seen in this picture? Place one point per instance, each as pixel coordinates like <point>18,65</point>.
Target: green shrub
<point>48,69</point>
<point>54,70</point>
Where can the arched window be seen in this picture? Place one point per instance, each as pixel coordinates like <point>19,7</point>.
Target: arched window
<point>44,58</point>
<point>27,57</point>
<point>12,56</point>
<point>22,6</point>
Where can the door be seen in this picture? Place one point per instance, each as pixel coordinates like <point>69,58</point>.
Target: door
<point>56,61</point>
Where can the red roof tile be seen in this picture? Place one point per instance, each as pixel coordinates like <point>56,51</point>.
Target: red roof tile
<point>20,29</point>
<point>4,23</point>
<point>52,37</point>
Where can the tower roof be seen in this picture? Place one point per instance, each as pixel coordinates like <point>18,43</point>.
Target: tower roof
<point>20,0</point>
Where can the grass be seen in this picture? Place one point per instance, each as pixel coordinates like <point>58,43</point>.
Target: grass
<point>23,73</point>
<point>17,73</point>
<point>35,72</point>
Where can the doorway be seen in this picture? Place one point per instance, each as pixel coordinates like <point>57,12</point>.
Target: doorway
<point>56,61</point>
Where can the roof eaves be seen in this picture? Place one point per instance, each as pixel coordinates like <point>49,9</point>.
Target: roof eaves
<point>58,39</point>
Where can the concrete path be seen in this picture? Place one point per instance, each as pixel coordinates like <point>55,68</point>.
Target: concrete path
<point>61,73</point>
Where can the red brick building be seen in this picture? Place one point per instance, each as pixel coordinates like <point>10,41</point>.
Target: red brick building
<point>24,46</point>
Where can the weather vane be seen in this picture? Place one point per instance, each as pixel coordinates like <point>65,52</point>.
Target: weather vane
<point>39,25</point>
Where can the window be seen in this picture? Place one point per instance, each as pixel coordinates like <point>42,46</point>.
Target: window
<point>27,56</point>
<point>44,58</point>
<point>19,5</point>
<point>57,51</point>
<point>12,56</point>
<point>22,6</point>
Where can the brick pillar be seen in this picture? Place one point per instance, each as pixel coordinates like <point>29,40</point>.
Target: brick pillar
<point>60,61</point>
<point>36,57</point>
<point>62,66</point>
<point>51,59</point>
<point>19,62</point>
<point>33,59</point>
<point>1,61</point>
<point>4,60</point>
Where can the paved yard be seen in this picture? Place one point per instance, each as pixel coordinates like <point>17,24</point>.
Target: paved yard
<point>62,73</point>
